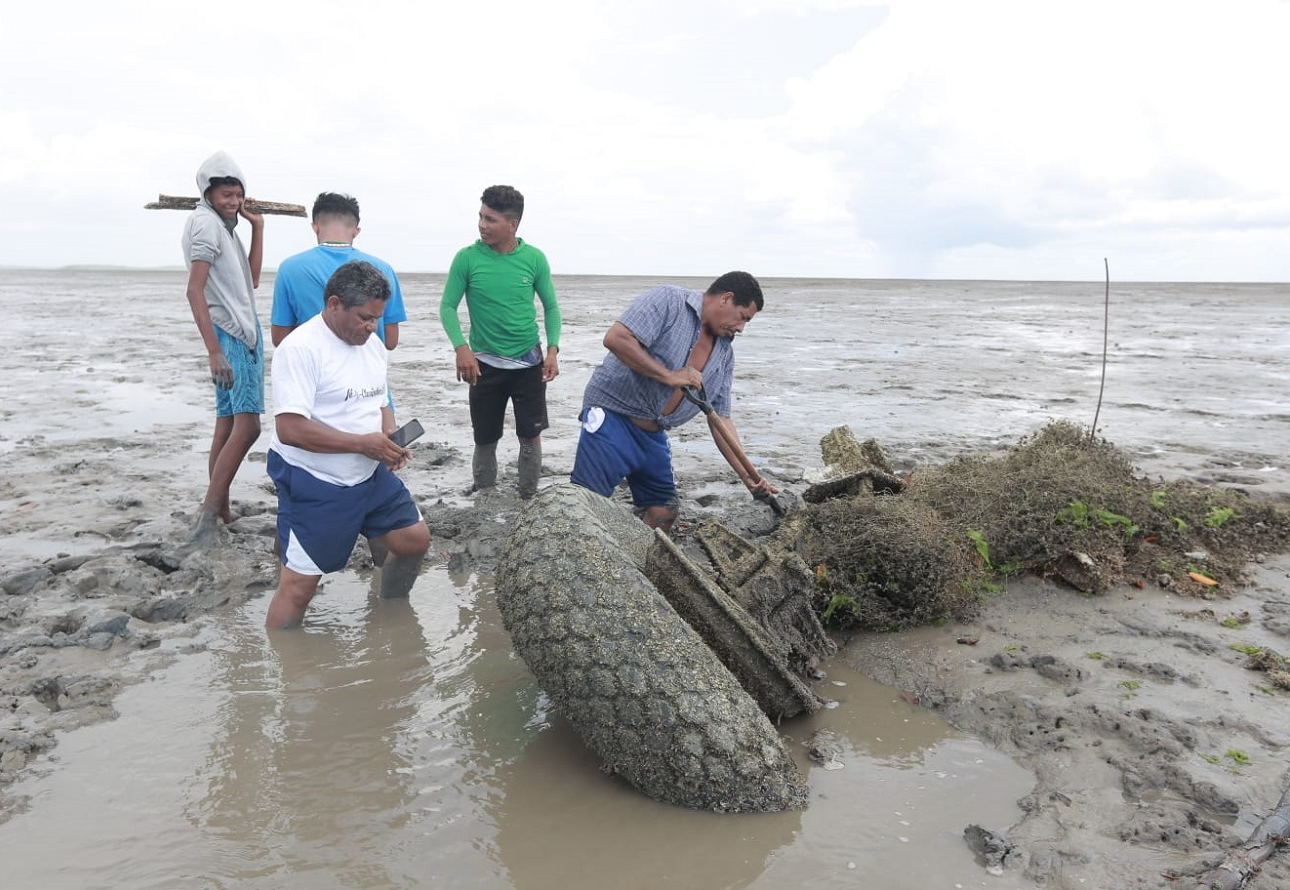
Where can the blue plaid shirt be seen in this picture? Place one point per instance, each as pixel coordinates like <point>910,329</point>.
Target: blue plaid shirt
<point>666,321</point>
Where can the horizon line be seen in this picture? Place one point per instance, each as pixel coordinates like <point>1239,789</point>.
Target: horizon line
<point>96,267</point>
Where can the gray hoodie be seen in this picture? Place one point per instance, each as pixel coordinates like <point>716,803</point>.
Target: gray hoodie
<point>230,295</point>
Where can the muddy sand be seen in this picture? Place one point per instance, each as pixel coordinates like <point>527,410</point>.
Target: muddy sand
<point>1154,749</point>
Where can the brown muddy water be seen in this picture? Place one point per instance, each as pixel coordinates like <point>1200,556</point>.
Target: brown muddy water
<point>402,744</point>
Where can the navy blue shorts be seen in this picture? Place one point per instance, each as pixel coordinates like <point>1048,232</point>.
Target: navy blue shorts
<point>611,448</point>
<point>523,387</point>
<point>319,523</point>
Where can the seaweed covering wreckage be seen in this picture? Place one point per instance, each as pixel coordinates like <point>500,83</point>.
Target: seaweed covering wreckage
<point>675,672</point>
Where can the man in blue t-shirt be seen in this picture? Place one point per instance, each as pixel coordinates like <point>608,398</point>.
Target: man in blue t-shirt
<point>298,286</point>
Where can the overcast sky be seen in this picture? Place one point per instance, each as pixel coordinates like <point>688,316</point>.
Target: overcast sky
<point>831,138</point>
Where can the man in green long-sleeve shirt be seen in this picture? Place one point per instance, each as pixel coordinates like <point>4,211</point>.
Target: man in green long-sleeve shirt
<point>503,360</point>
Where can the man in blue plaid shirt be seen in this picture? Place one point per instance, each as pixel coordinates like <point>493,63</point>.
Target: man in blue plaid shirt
<point>670,337</point>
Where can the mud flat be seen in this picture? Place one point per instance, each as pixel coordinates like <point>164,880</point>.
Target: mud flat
<point>1154,748</point>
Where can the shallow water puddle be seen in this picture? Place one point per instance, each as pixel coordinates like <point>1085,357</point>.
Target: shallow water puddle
<point>402,744</point>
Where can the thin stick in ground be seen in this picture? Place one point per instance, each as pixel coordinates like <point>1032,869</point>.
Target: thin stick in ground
<point>1106,333</point>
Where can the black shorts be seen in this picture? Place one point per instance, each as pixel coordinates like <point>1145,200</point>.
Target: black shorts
<point>488,397</point>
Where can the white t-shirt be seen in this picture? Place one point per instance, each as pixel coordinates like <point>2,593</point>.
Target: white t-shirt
<point>320,376</point>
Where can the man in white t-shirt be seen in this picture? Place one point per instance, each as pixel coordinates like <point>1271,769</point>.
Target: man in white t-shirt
<point>329,459</point>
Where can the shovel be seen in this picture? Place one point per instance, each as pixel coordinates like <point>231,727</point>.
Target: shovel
<point>728,443</point>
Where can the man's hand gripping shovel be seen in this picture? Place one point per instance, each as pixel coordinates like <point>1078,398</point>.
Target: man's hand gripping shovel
<point>728,443</point>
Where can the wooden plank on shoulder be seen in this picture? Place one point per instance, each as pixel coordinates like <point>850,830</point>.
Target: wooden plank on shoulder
<point>173,202</point>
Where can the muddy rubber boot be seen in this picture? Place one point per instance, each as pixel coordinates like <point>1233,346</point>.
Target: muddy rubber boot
<point>530,466</point>
<point>398,575</point>
<point>484,467</point>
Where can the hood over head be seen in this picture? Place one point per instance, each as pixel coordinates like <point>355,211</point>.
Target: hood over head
<point>216,166</point>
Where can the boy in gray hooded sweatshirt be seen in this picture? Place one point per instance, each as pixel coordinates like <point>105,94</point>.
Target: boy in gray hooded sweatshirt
<point>222,278</point>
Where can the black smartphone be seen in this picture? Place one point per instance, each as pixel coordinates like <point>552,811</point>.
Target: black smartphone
<point>407,434</point>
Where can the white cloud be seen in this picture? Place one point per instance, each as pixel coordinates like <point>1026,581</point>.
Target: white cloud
<point>910,139</point>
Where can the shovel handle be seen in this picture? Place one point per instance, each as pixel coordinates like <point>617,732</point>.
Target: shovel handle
<point>726,439</point>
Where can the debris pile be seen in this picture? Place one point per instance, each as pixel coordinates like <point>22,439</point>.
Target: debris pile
<point>891,552</point>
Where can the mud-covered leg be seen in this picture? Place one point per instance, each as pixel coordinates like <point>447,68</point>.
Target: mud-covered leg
<point>661,518</point>
<point>398,575</point>
<point>205,531</point>
<point>378,550</point>
<point>530,466</point>
<point>406,547</point>
<point>484,467</point>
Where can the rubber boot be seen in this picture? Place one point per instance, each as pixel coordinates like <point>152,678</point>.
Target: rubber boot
<point>398,575</point>
<point>484,467</point>
<point>530,466</point>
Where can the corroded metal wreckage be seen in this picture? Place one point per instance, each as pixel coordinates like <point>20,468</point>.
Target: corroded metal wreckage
<point>670,674</point>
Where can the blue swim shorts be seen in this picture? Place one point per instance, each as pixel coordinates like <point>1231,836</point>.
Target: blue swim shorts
<point>247,394</point>
<point>611,448</point>
<point>319,523</point>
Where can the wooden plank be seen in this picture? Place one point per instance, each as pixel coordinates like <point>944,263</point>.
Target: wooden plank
<point>172,202</point>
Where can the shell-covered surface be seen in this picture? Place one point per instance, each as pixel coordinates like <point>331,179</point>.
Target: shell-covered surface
<point>625,669</point>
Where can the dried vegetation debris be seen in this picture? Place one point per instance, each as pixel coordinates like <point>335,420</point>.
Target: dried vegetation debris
<point>891,553</point>
<point>1271,662</point>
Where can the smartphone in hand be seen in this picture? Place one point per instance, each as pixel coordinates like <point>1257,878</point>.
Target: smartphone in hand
<point>407,434</point>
